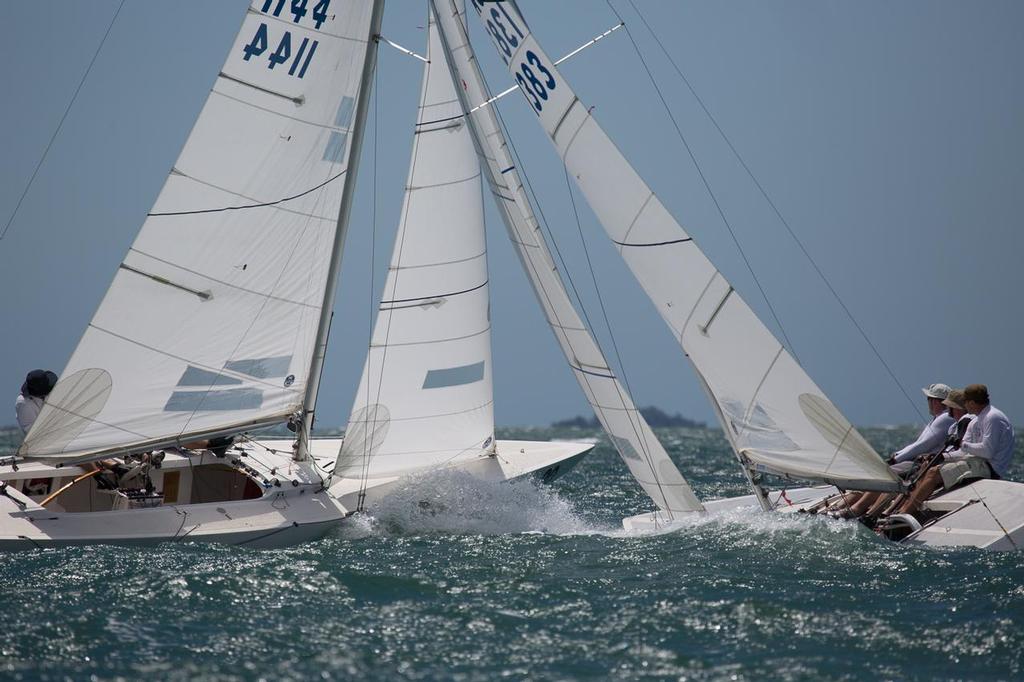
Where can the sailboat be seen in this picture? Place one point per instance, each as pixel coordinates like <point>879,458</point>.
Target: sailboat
<point>217,321</point>
<point>778,422</point>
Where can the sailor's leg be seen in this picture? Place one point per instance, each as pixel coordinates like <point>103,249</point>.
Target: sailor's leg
<point>926,485</point>
<point>864,503</point>
<point>883,501</point>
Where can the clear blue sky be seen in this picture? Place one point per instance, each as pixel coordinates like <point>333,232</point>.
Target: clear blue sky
<point>888,134</point>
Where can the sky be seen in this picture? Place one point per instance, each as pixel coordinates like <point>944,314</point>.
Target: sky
<point>888,135</point>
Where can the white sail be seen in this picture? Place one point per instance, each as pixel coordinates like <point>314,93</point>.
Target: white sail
<point>626,427</point>
<point>780,422</point>
<point>211,319</point>
<point>426,395</point>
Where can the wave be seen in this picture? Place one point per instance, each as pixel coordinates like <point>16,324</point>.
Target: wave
<point>457,502</point>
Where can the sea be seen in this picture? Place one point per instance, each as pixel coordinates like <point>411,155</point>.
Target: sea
<point>450,578</point>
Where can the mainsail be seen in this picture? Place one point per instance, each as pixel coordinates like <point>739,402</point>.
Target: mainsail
<point>626,427</point>
<point>426,396</point>
<point>210,322</point>
<point>778,420</point>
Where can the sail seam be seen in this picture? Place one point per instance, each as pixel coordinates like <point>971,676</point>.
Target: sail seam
<point>270,204</point>
<point>314,124</point>
<point>572,138</point>
<point>461,181</point>
<point>427,416</point>
<point>426,298</point>
<point>565,115</point>
<point>753,399</point>
<point>438,264</point>
<point>217,370</point>
<point>665,243</point>
<point>222,282</point>
<point>636,218</point>
<point>696,304</point>
<point>450,126</point>
<point>594,374</point>
<point>432,341</point>
<point>718,308</point>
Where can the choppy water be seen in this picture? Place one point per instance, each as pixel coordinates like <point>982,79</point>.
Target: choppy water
<point>520,582</point>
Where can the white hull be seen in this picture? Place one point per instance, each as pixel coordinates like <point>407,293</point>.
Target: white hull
<point>256,496</point>
<point>985,514</point>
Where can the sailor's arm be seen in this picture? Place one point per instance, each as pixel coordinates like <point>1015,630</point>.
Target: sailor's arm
<point>985,447</point>
<point>930,440</point>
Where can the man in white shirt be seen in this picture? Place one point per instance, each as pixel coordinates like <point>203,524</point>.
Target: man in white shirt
<point>987,449</point>
<point>985,452</point>
<point>930,441</point>
<point>38,384</point>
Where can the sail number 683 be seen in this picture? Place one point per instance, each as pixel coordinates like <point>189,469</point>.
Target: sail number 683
<point>535,80</point>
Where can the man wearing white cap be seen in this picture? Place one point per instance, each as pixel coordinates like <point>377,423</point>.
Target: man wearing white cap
<point>931,440</point>
<point>933,437</point>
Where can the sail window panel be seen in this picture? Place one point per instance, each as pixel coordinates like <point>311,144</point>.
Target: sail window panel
<point>196,376</point>
<point>400,374</point>
<point>613,190</point>
<point>424,428</point>
<point>141,382</point>
<point>215,400</point>
<point>454,376</point>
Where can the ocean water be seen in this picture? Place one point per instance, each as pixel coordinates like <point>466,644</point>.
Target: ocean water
<point>519,582</point>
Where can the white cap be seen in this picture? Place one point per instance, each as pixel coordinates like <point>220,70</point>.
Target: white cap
<point>940,391</point>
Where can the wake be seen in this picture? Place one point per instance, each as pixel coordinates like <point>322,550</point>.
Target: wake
<point>460,503</point>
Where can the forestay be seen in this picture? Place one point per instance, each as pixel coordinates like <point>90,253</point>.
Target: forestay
<point>779,419</point>
<point>626,428</point>
<point>425,397</point>
<point>211,318</point>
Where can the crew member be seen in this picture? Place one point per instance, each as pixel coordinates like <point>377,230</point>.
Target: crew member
<point>38,384</point>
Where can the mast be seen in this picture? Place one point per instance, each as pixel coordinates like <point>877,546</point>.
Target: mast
<point>327,308</point>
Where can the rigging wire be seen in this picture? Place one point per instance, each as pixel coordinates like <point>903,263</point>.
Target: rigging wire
<point>640,435</point>
<point>775,209</point>
<point>60,125</point>
<point>707,186</point>
<point>365,464</point>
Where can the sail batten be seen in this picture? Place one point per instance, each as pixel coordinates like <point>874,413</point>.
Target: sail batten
<point>773,413</point>
<point>629,433</point>
<point>210,322</point>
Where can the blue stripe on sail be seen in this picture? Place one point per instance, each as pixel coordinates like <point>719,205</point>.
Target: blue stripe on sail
<point>454,376</point>
<point>194,376</point>
<point>335,150</point>
<point>210,401</point>
<point>261,368</point>
<point>343,118</point>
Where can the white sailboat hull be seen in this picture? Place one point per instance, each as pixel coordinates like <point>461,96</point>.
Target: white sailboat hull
<point>287,504</point>
<point>514,459</point>
<point>986,514</point>
<point>785,501</point>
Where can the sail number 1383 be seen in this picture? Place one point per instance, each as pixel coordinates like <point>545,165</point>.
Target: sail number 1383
<point>535,80</point>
